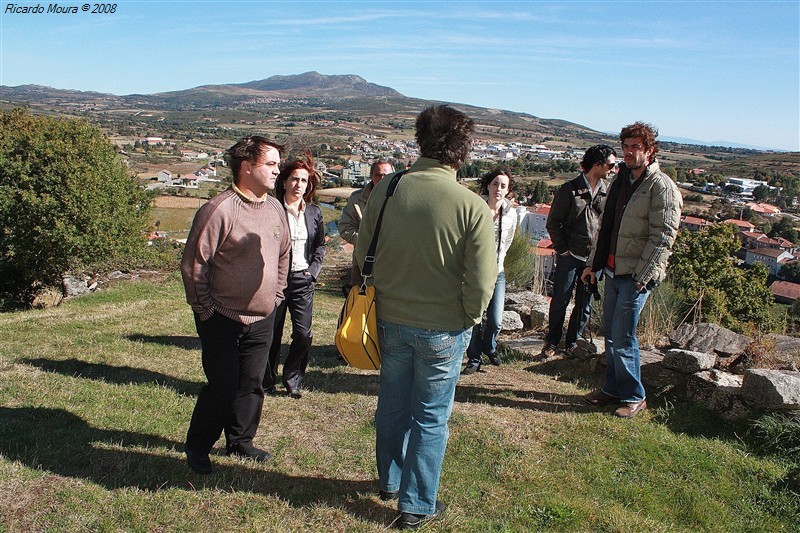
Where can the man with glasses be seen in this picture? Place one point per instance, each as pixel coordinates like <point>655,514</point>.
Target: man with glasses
<point>573,223</point>
<point>639,227</point>
<point>234,270</point>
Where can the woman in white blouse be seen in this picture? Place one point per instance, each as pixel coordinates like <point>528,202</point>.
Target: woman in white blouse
<point>495,187</point>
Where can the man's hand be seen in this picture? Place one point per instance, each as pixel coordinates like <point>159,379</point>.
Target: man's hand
<point>588,276</point>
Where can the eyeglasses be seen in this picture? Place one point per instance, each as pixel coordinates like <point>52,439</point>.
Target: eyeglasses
<point>609,166</point>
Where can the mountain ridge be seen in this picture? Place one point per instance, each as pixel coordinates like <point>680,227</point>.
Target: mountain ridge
<point>309,94</point>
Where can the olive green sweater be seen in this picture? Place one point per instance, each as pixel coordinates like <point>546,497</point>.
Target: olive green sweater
<point>435,265</point>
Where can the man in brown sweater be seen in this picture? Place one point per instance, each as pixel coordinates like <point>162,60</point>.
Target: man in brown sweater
<point>234,269</point>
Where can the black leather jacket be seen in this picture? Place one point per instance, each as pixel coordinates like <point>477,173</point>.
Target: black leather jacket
<point>575,217</point>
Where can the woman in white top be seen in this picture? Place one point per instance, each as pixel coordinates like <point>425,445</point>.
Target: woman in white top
<point>295,188</point>
<point>495,187</point>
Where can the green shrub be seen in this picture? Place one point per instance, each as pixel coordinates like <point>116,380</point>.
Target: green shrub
<point>520,264</point>
<point>66,201</point>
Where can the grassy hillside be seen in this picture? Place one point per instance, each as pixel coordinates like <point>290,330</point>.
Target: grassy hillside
<point>96,395</point>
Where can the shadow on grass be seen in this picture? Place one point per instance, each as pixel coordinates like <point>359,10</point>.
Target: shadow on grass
<point>58,441</point>
<point>548,402</point>
<point>186,342</point>
<point>122,375</point>
<point>575,370</point>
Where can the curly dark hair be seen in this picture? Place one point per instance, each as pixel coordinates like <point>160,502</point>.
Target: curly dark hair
<point>307,164</point>
<point>502,170</point>
<point>596,154</point>
<point>251,149</point>
<point>643,130</point>
<point>444,134</point>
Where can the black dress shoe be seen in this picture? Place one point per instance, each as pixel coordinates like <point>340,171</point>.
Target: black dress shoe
<point>199,462</point>
<point>250,452</point>
<point>271,390</point>
<point>495,359</point>
<point>294,392</point>
<point>413,521</point>
<point>387,495</point>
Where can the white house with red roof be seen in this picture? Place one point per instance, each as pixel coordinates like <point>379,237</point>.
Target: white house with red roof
<point>690,223</point>
<point>535,221</point>
<point>763,209</point>
<point>772,257</point>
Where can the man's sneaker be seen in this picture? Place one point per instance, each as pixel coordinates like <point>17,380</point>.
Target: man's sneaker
<point>471,368</point>
<point>629,410</point>
<point>413,521</point>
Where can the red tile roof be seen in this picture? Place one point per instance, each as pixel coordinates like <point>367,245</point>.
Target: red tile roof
<point>786,289</point>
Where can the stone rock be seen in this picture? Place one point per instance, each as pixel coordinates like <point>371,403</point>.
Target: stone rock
<point>524,313</point>
<point>74,286</point>
<point>786,350</point>
<point>701,386</point>
<point>720,392</point>
<point>705,337</point>
<point>585,349</point>
<point>772,389</point>
<point>729,404</point>
<point>784,343</point>
<point>46,298</point>
<point>687,361</point>
<point>657,378</point>
<point>531,306</point>
<point>511,321</point>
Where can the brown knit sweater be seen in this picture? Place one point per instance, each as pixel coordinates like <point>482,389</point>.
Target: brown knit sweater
<point>236,258</point>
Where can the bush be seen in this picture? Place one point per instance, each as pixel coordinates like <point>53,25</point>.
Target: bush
<point>66,201</point>
<point>714,289</point>
<point>520,263</point>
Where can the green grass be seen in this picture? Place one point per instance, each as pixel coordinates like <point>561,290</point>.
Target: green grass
<point>96,395</point>
<point>173,219</point>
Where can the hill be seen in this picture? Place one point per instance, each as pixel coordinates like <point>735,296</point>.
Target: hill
<point>304,96</point>
<point>316,109</point>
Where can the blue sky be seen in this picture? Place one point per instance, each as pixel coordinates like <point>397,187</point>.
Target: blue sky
<point>710,70</point>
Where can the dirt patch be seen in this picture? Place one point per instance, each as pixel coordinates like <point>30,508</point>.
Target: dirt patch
<point>337,192</point>
<point>178,202</point>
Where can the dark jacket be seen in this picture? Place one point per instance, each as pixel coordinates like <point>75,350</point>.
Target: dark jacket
<point>315,244</point>
<point>575,217</point>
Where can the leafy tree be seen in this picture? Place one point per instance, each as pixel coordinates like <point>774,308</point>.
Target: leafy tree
<point>761,193</point>
<point>66,201</point>
<point>701,264</point>
<point>790,272</point>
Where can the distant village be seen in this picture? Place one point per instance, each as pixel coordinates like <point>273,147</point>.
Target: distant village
<point>756,246</point>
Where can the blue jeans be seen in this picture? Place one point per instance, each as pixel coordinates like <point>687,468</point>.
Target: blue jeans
<point>419,372</point>
<point>621,309</point>
<point>567,274</point>
<point>484,335</point>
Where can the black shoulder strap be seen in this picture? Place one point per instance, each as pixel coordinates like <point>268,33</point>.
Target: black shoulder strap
<point>369,260</point>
